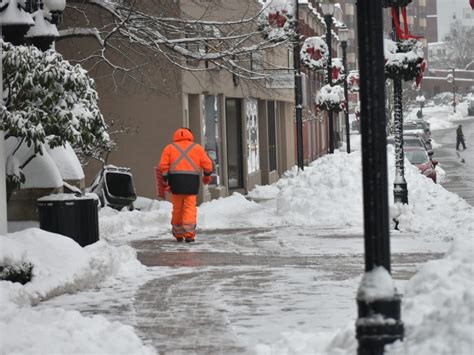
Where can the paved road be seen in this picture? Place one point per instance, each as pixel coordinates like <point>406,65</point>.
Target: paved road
<point>458,165</point>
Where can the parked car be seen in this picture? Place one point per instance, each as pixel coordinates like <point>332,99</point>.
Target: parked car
<point>470,108</point>
<point>413,140</point>
<point>419,127</point>
<point>418,157</point>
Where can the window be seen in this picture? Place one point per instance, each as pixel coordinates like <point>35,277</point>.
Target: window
<point>251,124</point>
<point>211,134</point>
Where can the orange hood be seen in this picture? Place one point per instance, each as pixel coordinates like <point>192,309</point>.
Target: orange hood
<point>183,134</point>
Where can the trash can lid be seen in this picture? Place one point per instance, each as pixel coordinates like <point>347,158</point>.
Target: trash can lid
<point>68,197</point>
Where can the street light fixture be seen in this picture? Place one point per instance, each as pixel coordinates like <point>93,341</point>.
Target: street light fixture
<point>328,11</point>
<point>343,34</point>
<point>56,7</point>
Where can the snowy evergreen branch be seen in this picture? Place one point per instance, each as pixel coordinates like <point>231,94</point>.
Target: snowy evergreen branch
<point>48,101</point>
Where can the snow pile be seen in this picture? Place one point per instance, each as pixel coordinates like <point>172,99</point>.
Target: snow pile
<point>316,195</point>
<point>341,343</point>
<point>438,305</point>
<point>60,266</point>
<point>234,212</point>
<point>329,193</point>
<point>155,216</point>
<point>263,192</point>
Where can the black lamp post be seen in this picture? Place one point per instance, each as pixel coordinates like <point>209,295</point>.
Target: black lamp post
<point>328,12</point>
<point>378,320</point>
<point>343,35</point>
<point>298,89</point>
<point>454,90</point>
<point>400,188</point>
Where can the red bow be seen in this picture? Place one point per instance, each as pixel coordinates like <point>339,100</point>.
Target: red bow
<point>335,73</point>
<point>277,19</point>
<point>419,77</point>
<point>472,4</point>
<point>405,33</point>
<point>314,53</point>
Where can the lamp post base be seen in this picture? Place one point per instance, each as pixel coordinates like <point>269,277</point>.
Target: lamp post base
<point>378,324</point>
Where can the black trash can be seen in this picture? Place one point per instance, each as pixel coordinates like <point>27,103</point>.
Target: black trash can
<point>76,217</point>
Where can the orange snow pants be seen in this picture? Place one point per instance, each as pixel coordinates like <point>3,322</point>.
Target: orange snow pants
<point>183,220</point>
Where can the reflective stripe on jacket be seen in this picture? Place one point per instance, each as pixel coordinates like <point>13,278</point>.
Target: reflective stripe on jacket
<point>181,163</point>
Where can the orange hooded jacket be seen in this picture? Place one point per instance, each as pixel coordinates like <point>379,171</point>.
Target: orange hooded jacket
<point>181,163</point>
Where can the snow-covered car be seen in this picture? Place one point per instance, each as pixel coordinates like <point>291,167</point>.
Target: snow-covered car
<point>470,108</point>
<point>418,127</point>
<point>414,140</point>
<point>418,157</point>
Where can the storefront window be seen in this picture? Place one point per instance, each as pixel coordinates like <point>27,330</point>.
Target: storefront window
<point>211,134</point>
<point>251,114</point>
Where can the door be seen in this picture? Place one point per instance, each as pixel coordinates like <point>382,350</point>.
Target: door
<point>235,173</point>
<point>272,153</point>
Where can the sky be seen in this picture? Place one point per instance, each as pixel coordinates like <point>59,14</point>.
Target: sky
<point>447,9</point>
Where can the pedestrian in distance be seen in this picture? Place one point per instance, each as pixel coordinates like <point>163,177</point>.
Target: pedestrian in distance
<point>182,164</point>
<point>460,138</point>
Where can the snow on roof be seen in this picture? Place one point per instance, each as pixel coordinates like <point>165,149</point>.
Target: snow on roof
<point>42,27</point>
<point>15,15</point>
<point>67,162</point>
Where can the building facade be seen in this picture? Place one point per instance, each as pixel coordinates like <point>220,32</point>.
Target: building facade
<point>247,127</point>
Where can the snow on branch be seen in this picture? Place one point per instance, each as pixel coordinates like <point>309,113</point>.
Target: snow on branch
<point>227,45</point>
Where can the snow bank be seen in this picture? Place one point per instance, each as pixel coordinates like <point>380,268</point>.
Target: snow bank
<point>329,192</point>
<point>235,212</point>
<point>153,218</point>
<point>60,266</point>
<point>298,343</point>
<point>438,304</point>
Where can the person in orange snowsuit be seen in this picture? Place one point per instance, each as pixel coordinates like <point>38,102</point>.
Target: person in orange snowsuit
<point>181,164</point>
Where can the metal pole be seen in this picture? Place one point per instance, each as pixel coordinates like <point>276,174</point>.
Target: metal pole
<point>3,189</point>
<point>372,336</point>
<point>400,188</point>
<point>328,19</point>
<point>454,90</point>
<point>298,90</point>
<point>346,96</point>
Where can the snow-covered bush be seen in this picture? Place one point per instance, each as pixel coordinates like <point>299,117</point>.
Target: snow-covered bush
<point>275,20</point>
<point>48,101</point>
<point>404,60</point>
<point>314,53</point>
<point>331,98</point>
<point>338,73</point>
<point>17,273</point>
<point>353,81</point>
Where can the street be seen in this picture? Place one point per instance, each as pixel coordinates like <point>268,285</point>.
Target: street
<point>458,164</point>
